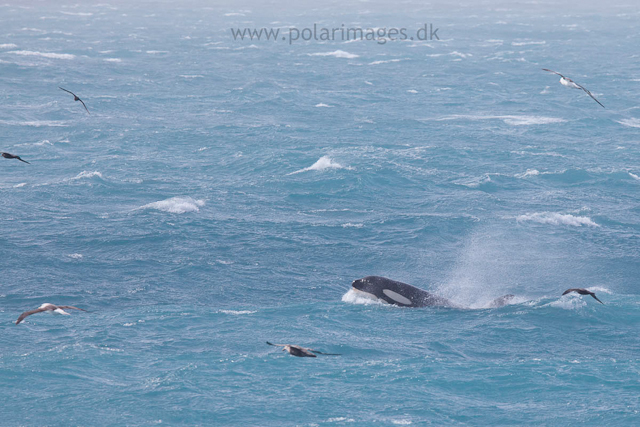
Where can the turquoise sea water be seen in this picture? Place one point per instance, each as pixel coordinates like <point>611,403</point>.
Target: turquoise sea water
<point>224,193</point>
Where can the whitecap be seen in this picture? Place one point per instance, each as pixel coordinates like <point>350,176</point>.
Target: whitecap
<point>22,184</point>
<point>529,172</point>
<point>352,225</point>
<point>356,297</point>
<point>87,174</point>
<point>43,54</point>
<point>237,312</point>
<point>384,62</point>
<point>322,164</point>
<point>527,43</point>
<point>177,205</point>
<point>634,176</point>
<point>112,59</point>
<point>8,46</point>
<point>569,302</point>
<point>336,53</point>
<point>510,120</point>
<point>75,256</point>
<point>323,105</point>
<point>412,91</point>
<point>77,13</point>
<point>34,123</point>
<point>557,219</point>
<point>634,123</point>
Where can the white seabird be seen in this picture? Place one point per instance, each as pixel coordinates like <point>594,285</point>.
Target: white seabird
<point>566,81</point>
<point>51,308</point>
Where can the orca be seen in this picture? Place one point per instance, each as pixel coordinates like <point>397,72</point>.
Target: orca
<point>404,295</point>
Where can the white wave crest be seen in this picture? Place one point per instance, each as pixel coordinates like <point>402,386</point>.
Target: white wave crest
<point>322,164</point>
<point>323,105</point>
<point>78,13</point>
<point>177,205</point>
<point>8,46</point>
<point>526,43</point>
<point>112,60</point>
<point>352,225</point>
<point>510,120</point>
<point>34,123</point>
<point>43,54</point>
<point>529,172</point>
<point>569,302</point>
<point>237,312</point>
<point>355,297</point>
<point>634,176</point>
<point>337,53</point>
<point>87,174</point>
<point>633,123</point>
<point>384,62</point>
<point>557,219</point>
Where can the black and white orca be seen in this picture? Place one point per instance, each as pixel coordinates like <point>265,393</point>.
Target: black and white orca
<point>398,293</point>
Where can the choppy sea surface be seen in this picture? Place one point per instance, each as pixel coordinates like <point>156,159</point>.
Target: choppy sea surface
<point>225,193</point>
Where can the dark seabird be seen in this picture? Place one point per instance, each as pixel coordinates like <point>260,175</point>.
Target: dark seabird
<point>296,350</point>
<point>58,309</point>
<point>11,156</point>
<point>566,81</point>
<point>582,292</point>
<point>75,98</point>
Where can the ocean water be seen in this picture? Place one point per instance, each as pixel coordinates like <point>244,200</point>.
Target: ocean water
<point>224,193</point>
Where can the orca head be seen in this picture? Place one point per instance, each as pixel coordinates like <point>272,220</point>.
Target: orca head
<point>382,289</point>
<point>367,285</point>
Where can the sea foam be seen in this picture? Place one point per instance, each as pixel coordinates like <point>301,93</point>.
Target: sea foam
<point>323,163</point>
<point>177,205</point>
<point>557,219</point>
<point>336,53</point>
<point>43,54</point>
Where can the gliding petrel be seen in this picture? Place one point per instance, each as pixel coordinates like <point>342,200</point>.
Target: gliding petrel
<point>566,81</point>
<point>582,292</point>
<point>75,98</point>
<point>11,156</point>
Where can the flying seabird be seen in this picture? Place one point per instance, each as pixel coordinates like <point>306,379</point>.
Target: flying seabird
<point>296,350</point>
<point>50,308</point>
<point>566,81</point>
<point>11,156</point>
<point>75,98</point>
<point>582,292</point>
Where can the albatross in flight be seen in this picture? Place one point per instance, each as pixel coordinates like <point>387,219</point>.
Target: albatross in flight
<point>582,292</point>
<point>75,98</point>
<point>59,309</point>
<point>296,350</point>
<point>11,156</point>
<point>566,81</point>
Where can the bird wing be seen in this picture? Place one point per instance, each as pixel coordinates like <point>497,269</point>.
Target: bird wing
<point>594,295</point>
<point>29,313</point>
<point>85,107</point>
<point>71,307</point>
<point>555,72</point>
<point>17,157</point>
<point>591,95</point>
<point>277,345</point>
<point>67,91</point>
<point>324,354</point>
<point>569,291</point>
